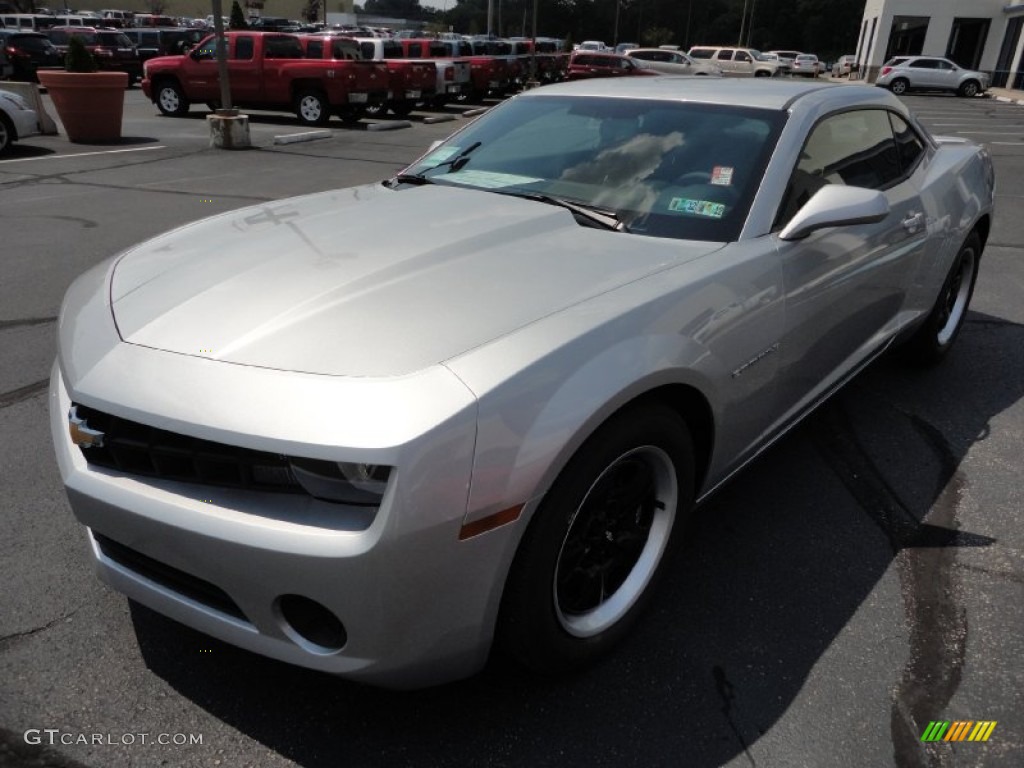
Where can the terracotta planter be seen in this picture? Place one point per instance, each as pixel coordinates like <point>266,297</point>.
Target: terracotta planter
<point>90,104</point>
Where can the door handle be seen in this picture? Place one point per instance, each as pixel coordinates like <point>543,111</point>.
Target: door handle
<point>913,222</point>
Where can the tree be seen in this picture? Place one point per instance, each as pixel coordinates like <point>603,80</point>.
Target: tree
<point>237,20</point>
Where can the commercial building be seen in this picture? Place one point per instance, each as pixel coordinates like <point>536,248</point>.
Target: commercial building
<point>977,34</point>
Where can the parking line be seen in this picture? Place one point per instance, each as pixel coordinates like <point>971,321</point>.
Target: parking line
<point>80,154</point>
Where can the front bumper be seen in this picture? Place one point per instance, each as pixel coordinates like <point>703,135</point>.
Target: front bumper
<point>417,604</point>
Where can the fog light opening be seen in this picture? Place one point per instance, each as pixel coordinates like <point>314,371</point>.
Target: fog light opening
<point>312,622</point>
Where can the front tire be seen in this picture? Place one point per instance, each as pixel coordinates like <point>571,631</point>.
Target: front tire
<point>933,340</point>
<point>899,86</point>
<point>590,558</point>
<point>969,89</point>
<point>170,99</point>
<point>312,108</point>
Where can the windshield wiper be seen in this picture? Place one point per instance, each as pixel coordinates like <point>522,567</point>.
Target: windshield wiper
<point>454,163</point>
<point>604,218</point>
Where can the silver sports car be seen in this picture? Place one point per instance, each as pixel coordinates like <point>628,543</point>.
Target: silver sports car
<point>376,431</point>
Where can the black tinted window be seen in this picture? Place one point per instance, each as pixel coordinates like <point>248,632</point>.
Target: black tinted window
<point>854,148</point>
<point>924,64</point>
<point>415,50</point>
<point>909,145</point>
<point>244,48</point>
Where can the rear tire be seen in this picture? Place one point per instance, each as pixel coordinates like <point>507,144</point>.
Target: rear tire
<point>593,552</point>
<point>402,108</point>
<point>899,86</point>
<point>933,340</point>
<point>170,99</point>
<point>6,134</point>
<point>312,108</point>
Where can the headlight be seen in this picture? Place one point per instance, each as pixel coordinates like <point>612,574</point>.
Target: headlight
<point>342,482</point>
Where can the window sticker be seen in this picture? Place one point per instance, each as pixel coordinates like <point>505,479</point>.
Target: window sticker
<point>697,207</point>
<point>489,180</point>
<point>441,154</point>
<point>722,175</point>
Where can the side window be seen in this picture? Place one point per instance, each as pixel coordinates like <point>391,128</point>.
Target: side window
<point>923,64</point>
<point>855,148</point>
<point>943,64</point>
<point>415,51</point>
<point>909,145</point>
<point>315,49</point>
<point>207,51</point>
<point>725,55</point>
<point>243,48</point>
<point>367,50</point>
<point>743,56</point>
<point>702,53</point>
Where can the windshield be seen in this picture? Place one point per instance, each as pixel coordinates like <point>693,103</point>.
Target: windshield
<point>664,169</point>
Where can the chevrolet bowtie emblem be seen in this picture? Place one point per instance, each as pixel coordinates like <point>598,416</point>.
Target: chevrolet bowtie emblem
<point>81,434</point>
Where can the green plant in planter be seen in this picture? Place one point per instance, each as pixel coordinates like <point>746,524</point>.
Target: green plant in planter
<point>78,58</point>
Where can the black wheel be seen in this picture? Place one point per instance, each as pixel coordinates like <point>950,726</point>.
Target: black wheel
<point>969,89</point>
<point>590,557</point>
<point>899,86</point>
<point>312,108</point>
<point>170,99</point>
<point>402,108</point>
<point>762,73</point>
<point>933,340</point>
<point>6,134</point>
<point>351,115</point>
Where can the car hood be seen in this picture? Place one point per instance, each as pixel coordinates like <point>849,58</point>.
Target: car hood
<point>368,281</point>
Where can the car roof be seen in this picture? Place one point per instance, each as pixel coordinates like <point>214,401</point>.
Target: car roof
<point>763,93</point>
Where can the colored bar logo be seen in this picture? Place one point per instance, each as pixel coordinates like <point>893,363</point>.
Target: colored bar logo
<point>958,730</point>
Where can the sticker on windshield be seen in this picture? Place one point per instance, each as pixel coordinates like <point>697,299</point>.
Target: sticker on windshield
<point>489,179</point>
<point>697,207</point>
<point>722,175</point>
<point>441,154</point>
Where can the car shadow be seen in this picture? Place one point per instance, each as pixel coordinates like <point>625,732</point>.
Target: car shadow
<point>775,568</point>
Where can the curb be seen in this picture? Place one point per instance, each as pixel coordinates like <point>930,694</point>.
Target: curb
<point>1008,100</point>
<point>295,138</point>
<point>389,126</point>
<point>438,119</point>
<point>475,112</point>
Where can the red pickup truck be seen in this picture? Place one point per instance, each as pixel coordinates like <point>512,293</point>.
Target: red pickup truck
<point>488,74</point>
<point>412,81</point>
<point>266,70</point>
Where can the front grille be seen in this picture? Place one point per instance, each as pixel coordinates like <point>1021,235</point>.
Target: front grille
<point>138,449</point>
<point>183,583</point>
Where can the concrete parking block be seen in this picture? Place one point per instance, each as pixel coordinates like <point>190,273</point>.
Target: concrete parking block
<point>475,112</point>
<point>438,119</point>
<point>295,138</point>
<point>394,126</point>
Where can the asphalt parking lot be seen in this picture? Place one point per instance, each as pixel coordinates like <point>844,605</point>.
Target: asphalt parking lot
<point>864,577</point>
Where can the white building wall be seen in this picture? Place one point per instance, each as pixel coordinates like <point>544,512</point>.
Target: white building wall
<point>941,14</point>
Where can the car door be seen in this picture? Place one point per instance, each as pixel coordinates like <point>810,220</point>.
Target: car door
<point>924,73</point>
<point>199,72</point>
<point>946,75</point>
<point>743,63</point>
<point>845,286</point>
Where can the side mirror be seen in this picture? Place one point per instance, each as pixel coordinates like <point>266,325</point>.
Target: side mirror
<point>836,205</point>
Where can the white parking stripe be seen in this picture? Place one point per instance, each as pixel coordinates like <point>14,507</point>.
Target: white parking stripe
<point>79,154</point>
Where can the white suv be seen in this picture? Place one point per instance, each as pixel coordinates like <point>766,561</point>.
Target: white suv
<point>930,73</point>
<point>737,61</point>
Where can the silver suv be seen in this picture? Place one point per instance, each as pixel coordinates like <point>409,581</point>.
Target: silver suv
<point>930,73</point>
<point>737,61</point>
